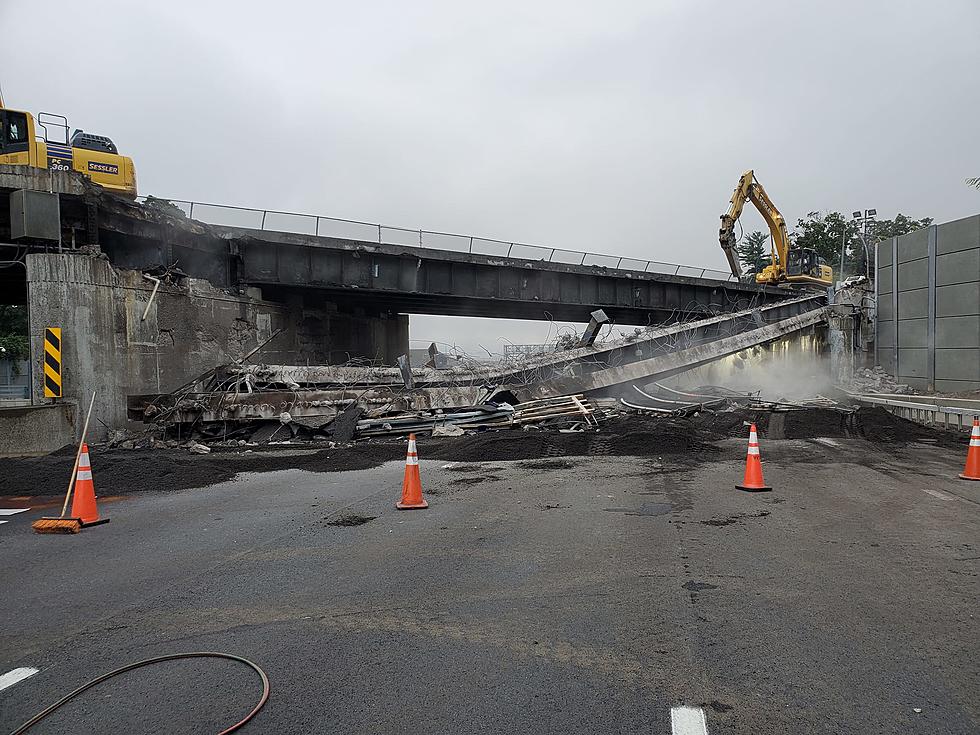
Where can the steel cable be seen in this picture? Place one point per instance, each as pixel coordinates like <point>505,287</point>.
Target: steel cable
<point>147,662</point>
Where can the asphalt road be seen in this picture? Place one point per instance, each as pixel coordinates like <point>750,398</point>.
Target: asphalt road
<point>590,597</point>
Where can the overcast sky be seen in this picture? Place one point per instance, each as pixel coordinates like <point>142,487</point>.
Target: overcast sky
<point>617,127</point>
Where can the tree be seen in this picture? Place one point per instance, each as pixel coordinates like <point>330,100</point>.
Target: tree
<point>754,251</point>
<point>13,332</point>
<point>825,233</point>
<point>901,225</point>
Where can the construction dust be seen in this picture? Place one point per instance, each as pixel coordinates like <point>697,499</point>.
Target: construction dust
<point>793,367</point>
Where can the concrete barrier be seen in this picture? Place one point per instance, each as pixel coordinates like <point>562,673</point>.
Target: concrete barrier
<point>34,430</point>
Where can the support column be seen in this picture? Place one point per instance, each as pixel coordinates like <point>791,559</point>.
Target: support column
<point>931,321</point>
<point>895,304</point>
<point>874,322</point>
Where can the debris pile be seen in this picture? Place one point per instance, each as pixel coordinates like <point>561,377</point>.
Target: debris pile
<point>684,440</point>
<point>877,380</point>
<point>881,426</point>
<point>226,402</point>
<point>266,404</point>
<point>564,413</point>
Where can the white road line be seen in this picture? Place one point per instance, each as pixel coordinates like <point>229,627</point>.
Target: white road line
<point>11,511</point>
<point>937,493</point>
<point>12,677</point>
<point>686,720</point>
<point>2,521</point>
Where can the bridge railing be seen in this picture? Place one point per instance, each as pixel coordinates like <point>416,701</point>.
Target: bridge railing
<point>320,225</point>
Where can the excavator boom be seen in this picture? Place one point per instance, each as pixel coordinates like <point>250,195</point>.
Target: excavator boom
<point>777,225</point>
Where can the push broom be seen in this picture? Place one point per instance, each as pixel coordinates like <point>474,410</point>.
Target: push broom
<point>62,524</point>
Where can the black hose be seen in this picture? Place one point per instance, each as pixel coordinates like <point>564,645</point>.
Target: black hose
<point>169,657</point>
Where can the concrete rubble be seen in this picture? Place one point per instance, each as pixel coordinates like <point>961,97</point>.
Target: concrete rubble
<point>877,380</point>
<point>271,403</point>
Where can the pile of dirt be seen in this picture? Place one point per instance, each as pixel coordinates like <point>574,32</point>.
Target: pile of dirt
<point>878,425</point>
<point>120,471</point>
<point>639,436</point>
<point>874,424</point>
<point>791,424</point>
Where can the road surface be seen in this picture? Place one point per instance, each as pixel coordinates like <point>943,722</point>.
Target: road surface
<point>568,595</point>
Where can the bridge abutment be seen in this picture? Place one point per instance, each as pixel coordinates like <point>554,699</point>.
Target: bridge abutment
<point>119,338</point>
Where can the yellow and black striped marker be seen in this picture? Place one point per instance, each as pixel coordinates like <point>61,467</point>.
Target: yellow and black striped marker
<point>52,362</point>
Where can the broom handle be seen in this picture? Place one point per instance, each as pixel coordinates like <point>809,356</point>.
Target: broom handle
<point>78,456</point>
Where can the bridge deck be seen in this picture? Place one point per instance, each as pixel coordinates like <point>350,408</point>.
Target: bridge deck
<point>428,281</point>
<point>373,277</point>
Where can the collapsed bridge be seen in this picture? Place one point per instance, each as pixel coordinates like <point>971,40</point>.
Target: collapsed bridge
<point>149,297</point>
<point>241,392</point>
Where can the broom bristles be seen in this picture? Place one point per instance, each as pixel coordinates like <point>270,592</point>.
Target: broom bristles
<point>57,525</point>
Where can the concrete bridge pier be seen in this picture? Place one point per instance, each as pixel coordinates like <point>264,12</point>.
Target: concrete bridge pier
<point>119,338</point>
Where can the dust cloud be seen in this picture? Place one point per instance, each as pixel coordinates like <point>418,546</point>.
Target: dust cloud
<point>791,368</point>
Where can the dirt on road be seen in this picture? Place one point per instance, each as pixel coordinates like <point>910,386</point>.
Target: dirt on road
<point>692,440</point>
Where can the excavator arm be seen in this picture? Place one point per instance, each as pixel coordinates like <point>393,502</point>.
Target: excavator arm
<point>726,235</point>
<point>750,189</point>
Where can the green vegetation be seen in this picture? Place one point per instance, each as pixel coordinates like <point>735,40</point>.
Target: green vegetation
<point>826,232</point>
<point>13,333</point>
<point>754,251</point>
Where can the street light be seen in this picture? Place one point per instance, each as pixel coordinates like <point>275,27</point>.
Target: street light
<point>863,222</point>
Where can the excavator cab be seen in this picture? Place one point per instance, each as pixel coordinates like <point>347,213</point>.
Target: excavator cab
<point>803,265</point>
<point>14,135</point>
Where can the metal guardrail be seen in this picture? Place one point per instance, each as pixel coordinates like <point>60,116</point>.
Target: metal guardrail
<point>320,225</point>
<point>929,410</point>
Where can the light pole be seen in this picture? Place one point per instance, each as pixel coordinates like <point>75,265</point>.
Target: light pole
<point>863,221</point>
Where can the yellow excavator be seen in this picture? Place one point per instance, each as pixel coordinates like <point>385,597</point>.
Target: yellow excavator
<point>790,265</point>
<point>96,156</point>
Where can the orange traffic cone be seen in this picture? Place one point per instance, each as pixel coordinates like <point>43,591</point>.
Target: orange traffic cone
<point>412,485</point>
<point>972,470</point>
<point>83,504</point>
<point>753,481</point>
